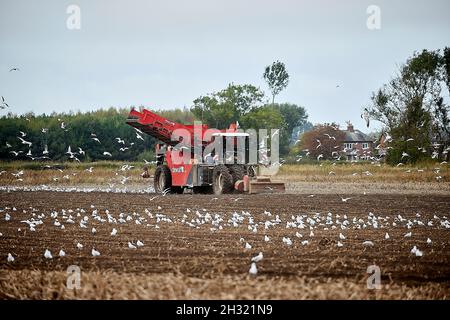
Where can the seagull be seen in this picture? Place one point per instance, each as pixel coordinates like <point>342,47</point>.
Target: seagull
<point>139,243</point>
<point>258,258</point>
<point>95,253</point>
<point>329,136</point>
<point>429,241</point>
<point>408,235</point>
<point>275,133</point>
<point>368,243</point>
<point>14,69</point>
<point>247,246</point>
<point>62,253</point>
<point>81,151</point>
<point>79,246</point>
<point>119,140</point>
<point>388,138</point>
<point>96,139</point>
<point>345,199</point>
<point>253,270</point>
<point>404,154</point>
<point>10,258</point>
<point>341,236</point>
<point>25,142</point>
<point>114,232</point>
<point>9,146</point>
<point>45,150</point>
<point>139,136</point>
<point>63,125</point>
<point>266,238</point>
<point>287,241</point>
<point>89,170</point>
<point>319,144</point>
<point>47,254</point>
<point>319,157</point>
<point>107,154</point>
<point>131,246</point>
<point>365,116</point>
<point>386,236</point>
<point>416,251</point>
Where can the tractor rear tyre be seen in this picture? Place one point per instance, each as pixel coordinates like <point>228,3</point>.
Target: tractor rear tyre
<point>222,180</point>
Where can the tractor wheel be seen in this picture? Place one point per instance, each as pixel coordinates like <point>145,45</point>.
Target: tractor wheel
<point>222,180</point>
<point>237,172</point>
<point>162,179</point>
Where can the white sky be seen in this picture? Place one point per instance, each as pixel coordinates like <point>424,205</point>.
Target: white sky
<point>164,54</point>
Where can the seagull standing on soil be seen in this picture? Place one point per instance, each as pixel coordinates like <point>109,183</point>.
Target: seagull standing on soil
<point>258,258</point>
<point>48,254</point>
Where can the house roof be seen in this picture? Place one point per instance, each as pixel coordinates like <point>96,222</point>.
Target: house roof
<point>355,136</point>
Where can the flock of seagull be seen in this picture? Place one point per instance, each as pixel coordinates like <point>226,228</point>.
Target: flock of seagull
<point>337,155</point>
<point>299,230</point>
<point>73,155</point>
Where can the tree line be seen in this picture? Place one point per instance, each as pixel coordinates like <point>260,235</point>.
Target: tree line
<point>104,135</point>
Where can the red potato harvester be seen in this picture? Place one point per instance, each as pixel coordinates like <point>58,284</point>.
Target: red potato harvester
<point>209,175</point>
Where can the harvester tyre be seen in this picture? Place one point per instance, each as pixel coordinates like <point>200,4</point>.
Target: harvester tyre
<point>163,179</point>
<point>237,172</point>
<point>222,180</point>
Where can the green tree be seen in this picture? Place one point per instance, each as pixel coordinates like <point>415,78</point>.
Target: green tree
<point>221,108</point>
<point>265,117</point>
<point>277,78</point>
<point>412,109</point>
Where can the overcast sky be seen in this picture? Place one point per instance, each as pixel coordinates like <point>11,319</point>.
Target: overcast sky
<point>164,54</point>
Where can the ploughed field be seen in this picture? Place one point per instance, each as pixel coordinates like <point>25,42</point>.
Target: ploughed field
<point>201,246</point>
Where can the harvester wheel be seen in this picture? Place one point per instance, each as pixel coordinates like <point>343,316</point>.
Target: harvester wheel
<point>163,179</point>
<point>222,180</point>
<point>237,172</point>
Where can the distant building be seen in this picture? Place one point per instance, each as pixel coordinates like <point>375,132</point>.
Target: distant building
<point>356,144</point>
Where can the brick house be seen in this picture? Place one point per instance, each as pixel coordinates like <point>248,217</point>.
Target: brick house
<point>356,144</point>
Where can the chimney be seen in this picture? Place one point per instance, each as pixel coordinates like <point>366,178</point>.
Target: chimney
<point>349,127</point>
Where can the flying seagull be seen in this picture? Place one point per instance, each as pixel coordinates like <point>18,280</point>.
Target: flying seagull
<point>14,69</point>
<point>365,116</point>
